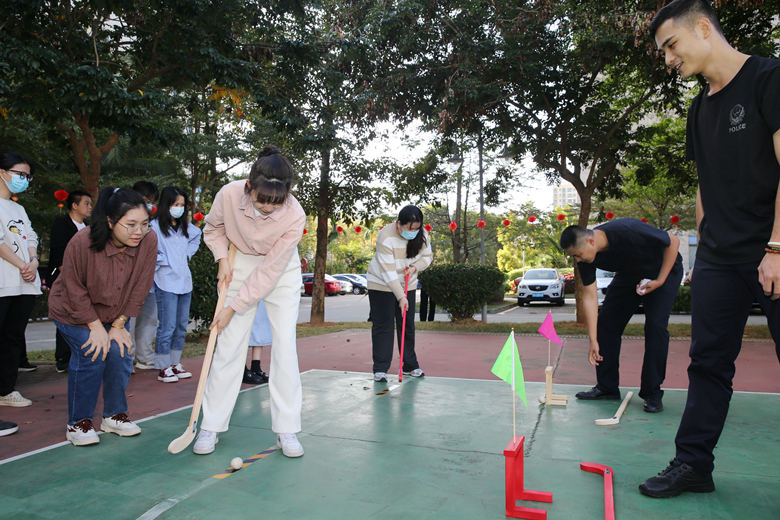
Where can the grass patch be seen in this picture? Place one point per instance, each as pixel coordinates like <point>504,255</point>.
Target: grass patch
<point>196,344</point>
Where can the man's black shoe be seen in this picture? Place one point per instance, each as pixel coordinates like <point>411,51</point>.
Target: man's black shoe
<point>654,405</point>
<point>251,378</point>
<point>675,479</point>
<point>62,366</point>
<point>595,393</point>
<point>26,366</point>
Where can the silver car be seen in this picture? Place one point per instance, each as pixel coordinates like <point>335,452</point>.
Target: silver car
<point>603,279</point>
<point>540,285</point>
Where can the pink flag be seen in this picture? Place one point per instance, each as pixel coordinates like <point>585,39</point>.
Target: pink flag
<point>548,330</point>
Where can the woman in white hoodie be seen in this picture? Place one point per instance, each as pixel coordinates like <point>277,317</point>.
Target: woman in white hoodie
<point>19,279</point>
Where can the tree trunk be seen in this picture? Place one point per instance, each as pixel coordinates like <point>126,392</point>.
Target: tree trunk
<point>456,242</point>
<point>87,153</point>
<point>321,256</point>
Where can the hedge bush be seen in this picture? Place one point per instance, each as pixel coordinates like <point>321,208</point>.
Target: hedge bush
<point>682,303</point>
<point>462,289</point>
<point>204,286</point>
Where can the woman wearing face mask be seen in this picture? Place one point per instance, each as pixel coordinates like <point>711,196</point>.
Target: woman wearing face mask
<point>19,280</point>
<point>264,222</point>
<point>107,271</point>
<point>401,249</point>
<point>177,241</point>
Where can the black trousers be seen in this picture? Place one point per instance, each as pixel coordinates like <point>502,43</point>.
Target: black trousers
<point>386,315</point>
<point>619,306</point>
<point>15,311</point>
<point>62,349</point>
<point>722,296</point>
<point>425,312</point>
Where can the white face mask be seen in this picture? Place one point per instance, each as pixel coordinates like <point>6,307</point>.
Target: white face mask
<point>177,212</point>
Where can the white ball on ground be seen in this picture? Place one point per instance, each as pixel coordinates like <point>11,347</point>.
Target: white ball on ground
<point>236,463</point>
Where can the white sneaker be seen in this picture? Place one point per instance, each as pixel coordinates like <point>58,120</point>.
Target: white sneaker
<point>140,365</point>
<point>14,399</point>
<point>120,425</point>
<point>289,444</point>
<point>380,377</point>
<point>415,373</point>
<point>179,371</point>
<point>82,433</point>
<point>167,376</point>
<point>206,442</point>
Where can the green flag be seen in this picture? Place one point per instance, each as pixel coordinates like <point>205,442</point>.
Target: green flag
<point>506,367</point>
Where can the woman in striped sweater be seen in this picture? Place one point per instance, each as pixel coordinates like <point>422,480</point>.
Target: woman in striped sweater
<point>402,249</point>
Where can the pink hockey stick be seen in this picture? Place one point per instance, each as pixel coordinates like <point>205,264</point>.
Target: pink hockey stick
<point>403,331</point>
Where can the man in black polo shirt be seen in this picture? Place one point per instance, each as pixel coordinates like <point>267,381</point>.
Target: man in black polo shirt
<point>635,251</point>
<point>734,137</point>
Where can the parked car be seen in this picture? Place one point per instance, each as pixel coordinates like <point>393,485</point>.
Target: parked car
<point>346,285</point>
<point>358,282</point>
<point>603,279</point>
<point>332,286</point>
<point>540,285</point>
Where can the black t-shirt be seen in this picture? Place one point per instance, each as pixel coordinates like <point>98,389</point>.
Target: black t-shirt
<point>635,248</point>
<point>730,137</point>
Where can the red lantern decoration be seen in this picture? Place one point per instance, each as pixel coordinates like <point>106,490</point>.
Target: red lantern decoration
<point>154,210</point>
<point>453,226</point>
<point>15,198</point>
<point>561,216</point>
<point>339,229</point>
<point>197,216</point>
<point>358,229</point>
<point>610,215</point>
<point>305,231</point>
<point>481,224</point>
<point>531,219</point>
<point>644,220</point>
<point>506,222</point>
<point>675,219</point>
<point>428,228</point>
<point>60,205</point>
<point>61,195</point>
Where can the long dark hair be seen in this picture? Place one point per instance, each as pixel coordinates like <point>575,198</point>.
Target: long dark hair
<point>413,214</point>
<point>168,197</point>
<point>9,159</point>
<point>112,204</point>
<point>271,177</point>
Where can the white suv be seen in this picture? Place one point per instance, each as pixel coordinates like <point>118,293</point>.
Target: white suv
<point>540,285</point>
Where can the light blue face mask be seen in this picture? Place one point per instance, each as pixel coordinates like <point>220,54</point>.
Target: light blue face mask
<point>177,212</point>
<point>17,184</point>
<point>409,235</point>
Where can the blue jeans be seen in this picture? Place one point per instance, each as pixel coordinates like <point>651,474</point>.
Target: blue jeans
<point>173,312</point>
<point>85,376</point>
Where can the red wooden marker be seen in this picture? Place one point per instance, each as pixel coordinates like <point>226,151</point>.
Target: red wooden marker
<point>609,503</point>
<point>403,330</point>
<point>515,488</point>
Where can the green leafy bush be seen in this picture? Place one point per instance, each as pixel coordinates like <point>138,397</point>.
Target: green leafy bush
<point>204,286</point>
<point>682,303</point>
<point>516,273</point>
<point>462,289</point>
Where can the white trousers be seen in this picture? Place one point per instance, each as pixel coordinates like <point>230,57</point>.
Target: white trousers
<point>227,368</point>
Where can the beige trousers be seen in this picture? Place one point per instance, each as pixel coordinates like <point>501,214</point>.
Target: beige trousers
<point>227,369</point>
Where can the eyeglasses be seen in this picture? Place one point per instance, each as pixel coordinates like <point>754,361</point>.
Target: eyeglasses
<point>144,228</point>
<point>23,175</point>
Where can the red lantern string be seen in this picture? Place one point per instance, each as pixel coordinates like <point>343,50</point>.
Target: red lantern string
<point>154,209</point>
<point>305,231</point>
<point>339,229</point>
<point>506,222</point>
<point>532,219</point>
<point>675,219</point>
<point>453,226</point>
<point>428,228</point>
<point>15,198</point>
<point>61,195</point>
<point>561,216</point>
<point>644,220</point>
<point>610,215</point>
<point>198,216</point>
<point>60,205</point>
<point>481,224</point>
<point>358,229</point>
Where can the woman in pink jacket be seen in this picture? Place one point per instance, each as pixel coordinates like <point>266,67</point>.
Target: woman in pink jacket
<point>264,222</point>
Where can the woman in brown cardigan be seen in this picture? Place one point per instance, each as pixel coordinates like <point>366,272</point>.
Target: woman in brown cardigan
<point>107,272</point>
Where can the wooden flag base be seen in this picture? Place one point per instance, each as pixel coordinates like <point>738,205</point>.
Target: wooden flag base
<point>515,489</point>
<point>549,397</point>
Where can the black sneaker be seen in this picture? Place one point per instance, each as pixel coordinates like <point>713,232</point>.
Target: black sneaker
<point>7,428</point>
<point>25,366</point>
<point>594,393</point>
<point>62,366</point>
<point>251,378</point>
<point>675,479</point>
